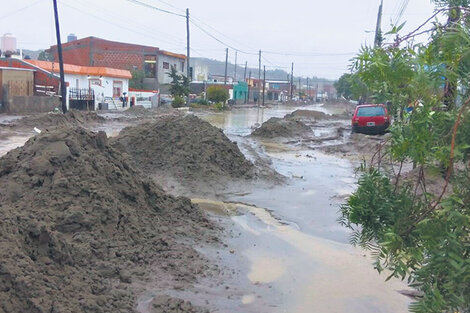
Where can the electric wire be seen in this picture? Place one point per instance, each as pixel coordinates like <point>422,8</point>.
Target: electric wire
<point>100,18</point>
<point>155,8</point>
<point>20,9</point>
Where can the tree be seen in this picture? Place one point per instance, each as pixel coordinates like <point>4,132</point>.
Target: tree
<point>217,94</point>
<point>350,86</point>
<point>45,56</point>
<point>416,232</point>
<point>343,86</point>
<point>137,80</point>
<point>179,86</point>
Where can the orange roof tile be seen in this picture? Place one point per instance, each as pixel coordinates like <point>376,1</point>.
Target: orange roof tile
<point>53,67</point>
<point>175,55</point>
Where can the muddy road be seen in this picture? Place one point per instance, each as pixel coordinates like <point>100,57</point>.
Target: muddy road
<point>289,250</point>
<point>283,250</point>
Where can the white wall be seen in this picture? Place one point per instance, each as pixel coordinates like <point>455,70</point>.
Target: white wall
<point>106,89</point>
<point>163,77</point>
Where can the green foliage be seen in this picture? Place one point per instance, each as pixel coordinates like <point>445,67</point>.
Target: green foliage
<point>343,86</point>
<point>217,94</point>
<point>178,102</point>
<point>417,232</point>
<point>219,106</point>
<point>137,80</point>
<point>179,86</point>
<point>45,56</point>
<point>202,102</point>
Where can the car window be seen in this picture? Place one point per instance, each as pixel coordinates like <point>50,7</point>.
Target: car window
<point>371,111</point>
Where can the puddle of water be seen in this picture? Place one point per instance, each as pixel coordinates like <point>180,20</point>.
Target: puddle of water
<point>241,121</point>
<point>297,250</point>
<point>313,274</point>
<point>11,143</point>
<point>265,269</point>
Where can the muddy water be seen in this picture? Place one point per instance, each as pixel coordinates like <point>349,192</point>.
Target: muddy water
<point>290,253</point>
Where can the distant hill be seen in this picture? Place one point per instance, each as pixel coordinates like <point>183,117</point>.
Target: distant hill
<point>218,68</point>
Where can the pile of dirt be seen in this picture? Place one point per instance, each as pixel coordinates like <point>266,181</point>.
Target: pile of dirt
<point>138,110</point>
<point>309,115</point>
<point>281,127</point>
<point>357,146</point>
<point>185,147</point>
<point>79,225</point>
<point>162,303</point>
<point>72,117</point>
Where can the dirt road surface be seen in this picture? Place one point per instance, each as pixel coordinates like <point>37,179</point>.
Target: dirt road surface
<point>282,249</point>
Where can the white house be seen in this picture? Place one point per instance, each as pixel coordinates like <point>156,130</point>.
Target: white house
<point>167,60</point>
<point>109,85</point>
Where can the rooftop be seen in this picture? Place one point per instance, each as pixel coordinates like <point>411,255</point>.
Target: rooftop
<point>53,67</point>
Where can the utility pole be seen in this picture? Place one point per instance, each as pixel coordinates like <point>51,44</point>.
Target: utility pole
<point>188,56</point>
<point>244,75</point>
<point>308,90</point>
<point>188,66</point>
<point>226,63</point>
<point>259,77</point>
<point>300,86</point>
<point>264,82</point>
<point>378,31</point>
<point>235,74</point>
<point>248,96</point>
<point>292,82</point>
<point>63,87</point>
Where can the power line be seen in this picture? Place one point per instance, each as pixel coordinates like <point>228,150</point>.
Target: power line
<point>20,9</point>
<point>112,23</point>
<point>142,27</point>
<point>307,54</point>
<point>171,5</point>
<point>220,41</point>
<point>155,8</point>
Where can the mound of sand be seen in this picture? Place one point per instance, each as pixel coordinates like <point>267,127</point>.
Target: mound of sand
<point>185,147</point>
<point>309,115</point>
<point>79,224</point>
<point>281,127</point>
<point>138,110</point>
<point>72,117</point>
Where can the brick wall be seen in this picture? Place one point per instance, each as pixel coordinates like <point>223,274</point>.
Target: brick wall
<point>93,51</point>
<point>40,77</point>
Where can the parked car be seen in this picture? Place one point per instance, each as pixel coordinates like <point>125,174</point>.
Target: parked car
<point>370,119</point>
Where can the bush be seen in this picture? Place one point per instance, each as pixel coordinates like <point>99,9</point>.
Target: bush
<point>217,94</point>
<point>219,106</point>
<point>178,102</point>
<point>202,102</point>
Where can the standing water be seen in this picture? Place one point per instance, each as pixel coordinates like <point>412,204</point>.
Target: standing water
<point>290,253</point>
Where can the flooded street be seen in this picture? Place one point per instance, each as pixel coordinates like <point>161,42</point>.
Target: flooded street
<point>285,251</point>
<point>292,255</point>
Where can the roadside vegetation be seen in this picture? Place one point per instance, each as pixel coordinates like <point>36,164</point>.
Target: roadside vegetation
<point>218,95</point>
<point>179,88</point>
<point>412,204</point>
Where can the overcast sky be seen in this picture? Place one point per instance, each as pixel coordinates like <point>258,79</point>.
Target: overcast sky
<point>319,36</point>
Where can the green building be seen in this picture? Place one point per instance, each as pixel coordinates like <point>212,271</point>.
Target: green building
<point>240,92</point>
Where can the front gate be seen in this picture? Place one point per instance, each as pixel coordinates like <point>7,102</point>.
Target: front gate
<point>82,99</point>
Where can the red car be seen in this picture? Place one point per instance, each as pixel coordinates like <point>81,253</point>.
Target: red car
<point>370,119</point>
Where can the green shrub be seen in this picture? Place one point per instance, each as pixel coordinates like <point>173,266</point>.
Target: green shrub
<point>202,102</point>
<point>217,94</point>
<point>178,102</point>
<point>219,106</point>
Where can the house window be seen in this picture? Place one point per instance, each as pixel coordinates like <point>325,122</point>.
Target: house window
<point>77,84</point>
<point>166,65</point>
<point>182,66</point>
<point>117,88</point>
<point>94,81</point>
<point>150,67</point>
